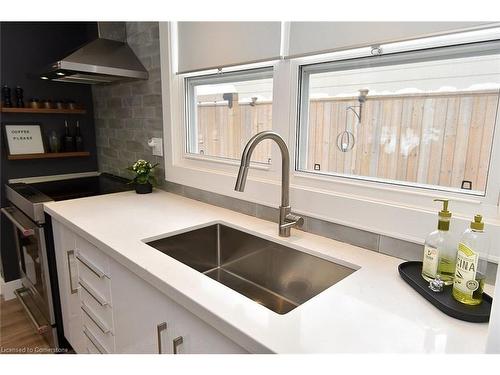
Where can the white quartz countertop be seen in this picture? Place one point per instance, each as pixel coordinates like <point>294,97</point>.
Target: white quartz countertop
<point>372,310</point>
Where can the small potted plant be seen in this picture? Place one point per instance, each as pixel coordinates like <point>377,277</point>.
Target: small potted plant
<point>144,178</point>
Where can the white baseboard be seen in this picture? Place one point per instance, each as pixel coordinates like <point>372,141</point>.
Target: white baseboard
<point>7,288</point>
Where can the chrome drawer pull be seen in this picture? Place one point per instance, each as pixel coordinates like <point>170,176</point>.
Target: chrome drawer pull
<point>90,266</point>
<point>159,329</point>
<point>94,341</point>
<point>176,342</point>
<point>71,253</point>
<point>100,300</point>
<point>104,329</point>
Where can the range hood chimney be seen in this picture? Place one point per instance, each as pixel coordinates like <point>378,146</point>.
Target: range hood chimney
<point>107,59</point>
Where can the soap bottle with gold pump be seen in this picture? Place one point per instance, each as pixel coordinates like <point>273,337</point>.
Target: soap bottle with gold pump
<point>440,250</point>
<point>472,260</point>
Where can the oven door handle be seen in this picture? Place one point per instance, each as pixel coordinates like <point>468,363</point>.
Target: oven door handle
<point>40,328</point>
<point>25,231</point>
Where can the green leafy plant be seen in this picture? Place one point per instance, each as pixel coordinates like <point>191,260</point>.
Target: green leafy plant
<point>143,172</point>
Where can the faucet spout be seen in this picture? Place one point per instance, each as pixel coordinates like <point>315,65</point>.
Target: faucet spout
<point>287,219</point>
<point>242,178</point>
<point>285,163</point>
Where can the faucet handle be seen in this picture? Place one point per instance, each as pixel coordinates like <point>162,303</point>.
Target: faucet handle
<point>293,220</point>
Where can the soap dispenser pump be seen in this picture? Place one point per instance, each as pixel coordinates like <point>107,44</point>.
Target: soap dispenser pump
<point>439,250</point>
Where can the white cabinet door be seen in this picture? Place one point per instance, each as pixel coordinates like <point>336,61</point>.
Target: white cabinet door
<point>188,334</point>
<point>67,274</point>
<point>139,314</point>
<point>147,321</point>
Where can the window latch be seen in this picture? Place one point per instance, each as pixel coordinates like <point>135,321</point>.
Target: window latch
<point>376,50</point>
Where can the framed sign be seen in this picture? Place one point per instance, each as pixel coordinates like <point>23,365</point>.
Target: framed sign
<point>24,139</point>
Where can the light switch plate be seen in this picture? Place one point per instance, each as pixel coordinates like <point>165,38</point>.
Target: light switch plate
<point>157,146</point>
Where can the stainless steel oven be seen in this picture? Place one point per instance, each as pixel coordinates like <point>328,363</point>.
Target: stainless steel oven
<point>36,293</point>
<point>34,240</point>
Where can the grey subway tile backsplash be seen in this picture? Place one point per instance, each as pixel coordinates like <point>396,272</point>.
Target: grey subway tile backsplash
<point>353,236</point>
<point>491,273</point>
<point>239,205</point>
<point>172,187</point>
<point>267,213</point>
<point>194,193</point>
<point>400,249</point>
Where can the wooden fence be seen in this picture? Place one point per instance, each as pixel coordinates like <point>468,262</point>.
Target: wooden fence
<point>437,139</point>
<point>224,131</point>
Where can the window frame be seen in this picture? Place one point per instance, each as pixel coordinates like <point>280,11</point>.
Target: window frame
<point>191,81</point>
<point>367,60</point>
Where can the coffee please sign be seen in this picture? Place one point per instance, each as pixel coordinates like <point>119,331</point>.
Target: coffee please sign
<point>24,139</point>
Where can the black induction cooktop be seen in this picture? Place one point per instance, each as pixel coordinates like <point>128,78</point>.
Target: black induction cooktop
<point>72,188</point>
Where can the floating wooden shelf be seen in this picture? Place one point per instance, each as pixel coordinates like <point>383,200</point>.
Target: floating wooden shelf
<point>49,155</point>
<point>78,111</point>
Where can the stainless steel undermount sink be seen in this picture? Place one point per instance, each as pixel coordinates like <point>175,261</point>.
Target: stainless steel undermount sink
<point>276,276</point>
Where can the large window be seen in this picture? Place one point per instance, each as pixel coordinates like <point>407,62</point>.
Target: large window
<point>422,118</point>
<point>225,110</point>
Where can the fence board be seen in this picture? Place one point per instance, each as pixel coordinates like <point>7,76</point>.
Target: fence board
<point>450,136</point>
<point>437,141</point>
<point>460,154</point>
<point>474,140</point>
<point>492,105</point>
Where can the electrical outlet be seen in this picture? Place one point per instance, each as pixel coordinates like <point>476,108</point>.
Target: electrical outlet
<point>157,146</point>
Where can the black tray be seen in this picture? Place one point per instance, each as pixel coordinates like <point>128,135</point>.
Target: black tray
<point>411,272</point>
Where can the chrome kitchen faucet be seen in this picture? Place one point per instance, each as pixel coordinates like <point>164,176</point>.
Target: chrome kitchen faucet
<point>287,219</point>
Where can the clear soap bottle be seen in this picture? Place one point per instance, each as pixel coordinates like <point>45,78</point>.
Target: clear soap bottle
<point>472,260</point>
<point>439,251</point>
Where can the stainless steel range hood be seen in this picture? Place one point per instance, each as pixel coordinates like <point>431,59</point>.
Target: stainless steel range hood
<point>107,59</point>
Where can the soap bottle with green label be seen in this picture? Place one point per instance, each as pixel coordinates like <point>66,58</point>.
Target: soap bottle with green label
<point>472,260</point>
<point>440,250</point>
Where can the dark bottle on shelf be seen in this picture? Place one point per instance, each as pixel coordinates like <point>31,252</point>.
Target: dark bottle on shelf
<point>78,138</point>
<point>19,97</point>
<point>6,99</point>
<point>68,141</point>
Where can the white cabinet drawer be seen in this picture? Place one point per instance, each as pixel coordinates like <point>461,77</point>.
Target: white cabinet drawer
<point>98,305</point>
<point>92,343</point>
<point>100,285</point>
<point>92,257</point>
<point>102,332</point>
